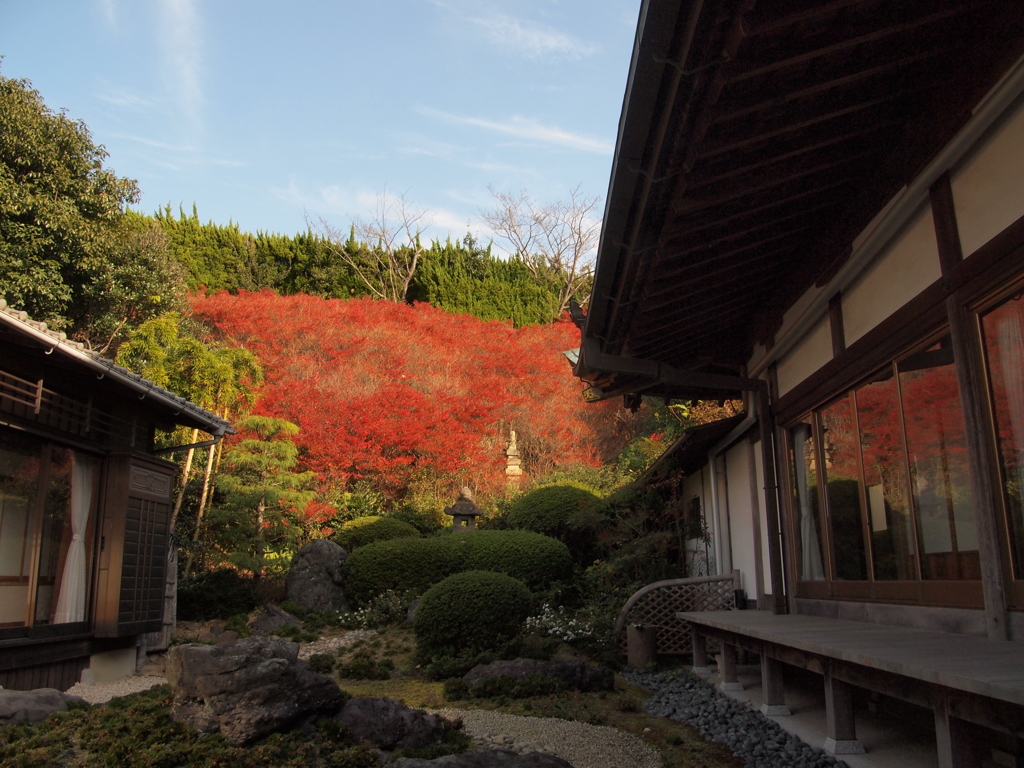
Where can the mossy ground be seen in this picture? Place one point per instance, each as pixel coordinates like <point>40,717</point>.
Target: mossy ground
<point>136,732</point>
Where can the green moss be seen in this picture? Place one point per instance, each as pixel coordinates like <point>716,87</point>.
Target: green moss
<point>415,564</point>
<point>366,530</point>
<point>473,611</point>
<point>137,732</point>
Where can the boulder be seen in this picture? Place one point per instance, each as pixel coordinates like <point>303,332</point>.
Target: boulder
<point>315,580</point>
<point>32,706</point>
<point>574,673</point>
<point>273,618</point>
<point>487,758</point>
<point>247,689</point>
<point>390,724</point>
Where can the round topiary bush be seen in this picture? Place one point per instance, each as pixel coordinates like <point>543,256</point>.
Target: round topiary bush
<point>366,530</point>
<point>553,510</point>
<point>415,564</point>
<point>469,613</point>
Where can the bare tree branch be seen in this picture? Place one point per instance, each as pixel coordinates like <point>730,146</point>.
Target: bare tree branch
<point>391,250</point>
<point>556,240</point>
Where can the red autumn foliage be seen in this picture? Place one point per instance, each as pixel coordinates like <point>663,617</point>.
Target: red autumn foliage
<point>390,392</point>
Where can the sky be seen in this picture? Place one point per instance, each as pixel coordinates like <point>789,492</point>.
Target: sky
<point>275,114</point>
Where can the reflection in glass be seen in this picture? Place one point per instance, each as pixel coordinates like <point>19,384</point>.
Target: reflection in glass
<point>939,473</point>
<point>19,479</point>
<point>842,490</point>
<point>805,502</point>
<point>892,533</point>
<point>1003,330</point>
<point>56,533</point>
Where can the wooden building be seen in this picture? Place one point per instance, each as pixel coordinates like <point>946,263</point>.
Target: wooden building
<point>818,206</point>
<point>85,505</point>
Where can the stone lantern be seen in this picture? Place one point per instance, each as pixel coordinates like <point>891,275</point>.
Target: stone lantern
<point>464,512</point>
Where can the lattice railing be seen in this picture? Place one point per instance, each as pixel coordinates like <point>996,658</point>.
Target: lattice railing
<point>657,604</point>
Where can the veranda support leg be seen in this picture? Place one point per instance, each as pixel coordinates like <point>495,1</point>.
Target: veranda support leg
<point>771,686</point>
<point>953,738</point>
<point>842,731</point>
<point>700,654</point>
<point>729,680</point>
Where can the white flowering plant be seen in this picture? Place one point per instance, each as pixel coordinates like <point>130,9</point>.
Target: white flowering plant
<point>385,609</point>
<point>558,622</point>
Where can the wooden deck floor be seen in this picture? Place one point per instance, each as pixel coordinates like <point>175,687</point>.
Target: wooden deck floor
<point>966,663</point>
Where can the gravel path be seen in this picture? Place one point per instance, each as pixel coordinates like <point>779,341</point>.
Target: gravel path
<point>101,693</point>
<point>750,735</point>
<point>583,745</point>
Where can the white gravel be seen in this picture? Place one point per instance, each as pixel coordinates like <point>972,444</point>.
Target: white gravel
<point>101,693</point>
<point>583,745</point>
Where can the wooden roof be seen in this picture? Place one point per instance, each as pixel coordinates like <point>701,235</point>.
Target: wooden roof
<point>757,139</point>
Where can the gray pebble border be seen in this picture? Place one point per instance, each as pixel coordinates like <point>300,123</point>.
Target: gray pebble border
<point>761,742</point>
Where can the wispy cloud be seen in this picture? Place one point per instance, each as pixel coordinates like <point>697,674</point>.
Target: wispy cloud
<point>156,144</point>
<point>121,97</point>
<point>109,11</point>
<point>532,40</point>
<point>181,44</point>
<point>525,129</point>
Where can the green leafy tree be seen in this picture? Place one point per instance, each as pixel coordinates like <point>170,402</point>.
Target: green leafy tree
<point>67,253</point>
<point>261,498</point>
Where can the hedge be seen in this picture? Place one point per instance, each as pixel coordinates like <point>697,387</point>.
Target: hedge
<point>366,530</point>
<point>553,510</point>
<point>216,595</point>
<point>470,612</point>
<point>416,564</point>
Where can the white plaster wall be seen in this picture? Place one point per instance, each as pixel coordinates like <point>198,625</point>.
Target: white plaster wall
<point>908,265</point>
<point>988,186</point>
<point>741,520</point>
<point>813,351</point>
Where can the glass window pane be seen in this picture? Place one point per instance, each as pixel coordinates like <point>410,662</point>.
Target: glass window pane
<point>56,533</point>
<point>19,482</point>
<point>805,504</point>
<point>939,475</point>
<point>885,477</point>
<point>842,490</point>
<point>1003,330</point>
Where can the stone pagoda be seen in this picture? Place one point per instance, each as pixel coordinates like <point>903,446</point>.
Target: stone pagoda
<point>464,512</point>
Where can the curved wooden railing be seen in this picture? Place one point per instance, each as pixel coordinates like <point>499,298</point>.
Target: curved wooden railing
<point>657,604</point>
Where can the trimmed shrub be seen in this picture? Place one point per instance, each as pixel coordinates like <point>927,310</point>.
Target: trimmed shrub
<point>554,510</point>
<point>470,612</point>
<point>415,564</point>
<point>219,594</point>
<point>366,530</point>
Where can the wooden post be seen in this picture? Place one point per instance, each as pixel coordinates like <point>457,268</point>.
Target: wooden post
<point>956,747</point>
<point>841,728</point>
<point>774,704</point>
<point>728,669</point>
<point>700,653</point>
<point>967,353</point>
<point>771,498</point>
<point>641,646</point>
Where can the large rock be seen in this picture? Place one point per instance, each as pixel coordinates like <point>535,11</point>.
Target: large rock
<point>273,618</point>
<point>390,724</point>
<point>247,689</point>
<point>32,706</point>
<point>574,673</point>
<point>487,758</point>
<point>315,580</point>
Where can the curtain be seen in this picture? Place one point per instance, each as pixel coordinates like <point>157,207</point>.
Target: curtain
<point>74,584</point>
<point>810,565</point>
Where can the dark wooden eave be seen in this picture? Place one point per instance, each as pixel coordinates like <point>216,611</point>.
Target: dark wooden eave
<point>757,139</point>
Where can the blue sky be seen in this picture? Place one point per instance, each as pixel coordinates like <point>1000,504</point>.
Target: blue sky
<point>265,112</point>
